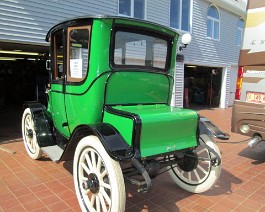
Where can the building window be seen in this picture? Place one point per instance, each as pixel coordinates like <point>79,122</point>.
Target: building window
<point>180,15</point>
<point>213,23</point>
<point>240,27</point>
<point>132,8</point>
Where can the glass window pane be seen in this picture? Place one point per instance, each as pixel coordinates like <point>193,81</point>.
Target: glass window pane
<point>135,52</point>
<point>241,23</point>
<point>213,12</point>
<point>240,27</point>
<point>160,54</point>
<point>125,7</point>
<point>185,22</point>
<point>59,56</point>
<point>175,13</point>
<point>133,49</point>
<point>78,54</point>
<point>216,30</point>
<point>209,28</point>
<point>139,9</point>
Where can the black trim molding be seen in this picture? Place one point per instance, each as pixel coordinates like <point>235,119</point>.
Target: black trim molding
<point>137,127</point>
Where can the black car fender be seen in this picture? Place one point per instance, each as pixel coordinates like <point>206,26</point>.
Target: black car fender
<point>43,123</point>
<point>111,139</point>
<point>207,127</point>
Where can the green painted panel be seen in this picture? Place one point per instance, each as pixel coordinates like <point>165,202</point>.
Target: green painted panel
<point>84,103</point>
<point>165,128</point>
<point>100,44</point>
<point>86,108</point>
<point>58,112</point>
<point>122,124</point>
<point>137,87</point>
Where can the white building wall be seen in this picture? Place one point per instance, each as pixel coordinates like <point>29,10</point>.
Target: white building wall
<point>203,50</point>
<point>158,11</point>
<point>223,53</point>
<point>29,20</point>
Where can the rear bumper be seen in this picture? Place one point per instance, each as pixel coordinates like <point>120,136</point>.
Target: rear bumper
<point>250,115</point>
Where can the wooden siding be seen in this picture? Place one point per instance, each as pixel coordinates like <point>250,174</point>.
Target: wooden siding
<point>29,20</point>
<point>206,51</point>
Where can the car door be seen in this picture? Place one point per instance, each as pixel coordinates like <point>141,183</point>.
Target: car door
<point>77,99</point>
<point>57,82</point>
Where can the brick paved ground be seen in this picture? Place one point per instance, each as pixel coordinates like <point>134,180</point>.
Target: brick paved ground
<point>42,185</point>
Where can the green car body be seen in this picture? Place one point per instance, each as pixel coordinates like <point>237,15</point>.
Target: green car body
<point>108,110</point>
<point>143,91</point>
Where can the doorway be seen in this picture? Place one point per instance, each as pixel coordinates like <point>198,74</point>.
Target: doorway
<point>202,86</point>
<point>20,80</point>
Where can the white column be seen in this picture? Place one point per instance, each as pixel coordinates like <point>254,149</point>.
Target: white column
<point>179,84</point>
<point>224,100</point>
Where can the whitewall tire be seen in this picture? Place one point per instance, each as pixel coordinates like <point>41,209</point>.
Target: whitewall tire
<point>98,179</point>
<point>29,135</point>
<point>203,175</point>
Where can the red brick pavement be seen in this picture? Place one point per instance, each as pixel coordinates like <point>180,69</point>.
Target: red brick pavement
<point>42,185</point>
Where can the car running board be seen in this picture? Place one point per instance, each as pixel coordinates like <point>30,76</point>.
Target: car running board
<point>54,152</point>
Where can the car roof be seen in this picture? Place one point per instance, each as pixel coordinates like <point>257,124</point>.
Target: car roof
<point>93,17</point>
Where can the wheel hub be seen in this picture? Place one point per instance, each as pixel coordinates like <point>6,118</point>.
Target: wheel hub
<point>188,162</point>
<point>29,133</point>
<point>92,183</point>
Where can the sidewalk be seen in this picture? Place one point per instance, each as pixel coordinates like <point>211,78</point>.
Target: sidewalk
<point>42,185</point>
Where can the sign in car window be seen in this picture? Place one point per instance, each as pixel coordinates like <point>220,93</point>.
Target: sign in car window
<point>76,68</point>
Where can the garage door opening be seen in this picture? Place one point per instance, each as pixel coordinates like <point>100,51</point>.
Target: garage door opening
<point>23,77</point>
<point>202,86</point>
<point>20,80</point>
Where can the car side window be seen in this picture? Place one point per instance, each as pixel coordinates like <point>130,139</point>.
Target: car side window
<point>58,51</point>
<point>78,53</point>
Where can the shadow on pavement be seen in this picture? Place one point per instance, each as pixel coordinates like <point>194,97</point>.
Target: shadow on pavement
<point>166,193</point>
<point>257,153</point>
<point>224,184</point>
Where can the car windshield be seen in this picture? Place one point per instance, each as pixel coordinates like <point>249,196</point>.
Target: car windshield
<point>140,48</point>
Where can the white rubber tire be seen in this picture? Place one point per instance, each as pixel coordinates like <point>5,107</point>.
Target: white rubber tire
<point>204,176</point>
<point>92,159</point>
<point>29,135</point>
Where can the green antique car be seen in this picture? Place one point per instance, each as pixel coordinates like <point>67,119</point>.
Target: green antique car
<point>108,110</point>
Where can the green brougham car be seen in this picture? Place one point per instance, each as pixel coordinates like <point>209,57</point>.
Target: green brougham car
<point>108,110</point>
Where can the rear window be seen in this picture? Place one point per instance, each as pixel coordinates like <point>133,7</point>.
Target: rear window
<point>140,48</point>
